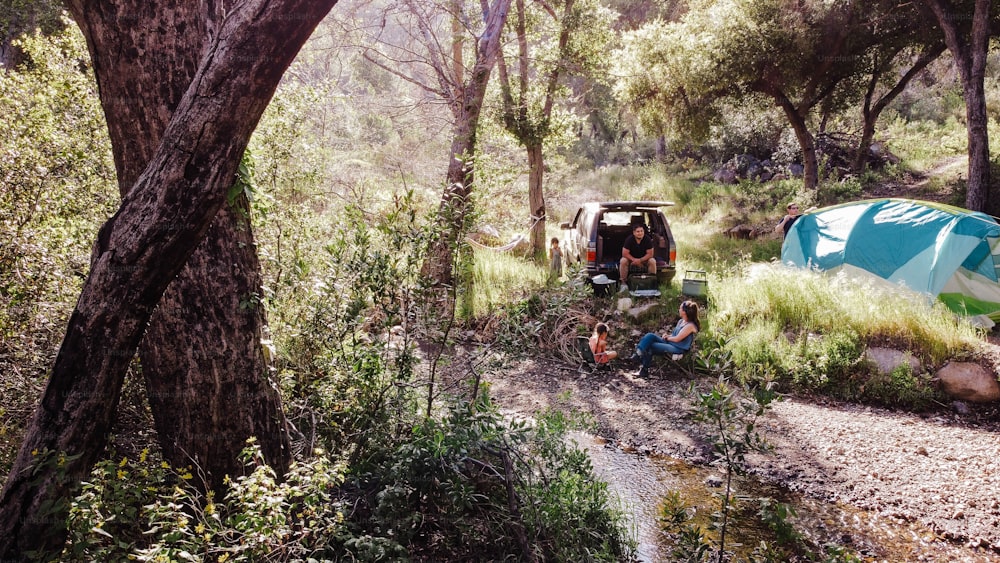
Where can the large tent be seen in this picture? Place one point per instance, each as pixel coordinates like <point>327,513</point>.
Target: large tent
<point>939,250</point>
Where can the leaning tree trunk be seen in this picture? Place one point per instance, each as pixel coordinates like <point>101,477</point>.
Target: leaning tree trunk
<point>870,112</point>
<point>138,252</point>
<point>202,357</point>
<point>536,200</point>
<point>455,204</point>
<point>807,144</point>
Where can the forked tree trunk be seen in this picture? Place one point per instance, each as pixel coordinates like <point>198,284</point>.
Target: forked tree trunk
<point>139,251</point>
<point>455,202</point>
<point>870,112</point>
<point>529,127</point>
<point>201,358</point>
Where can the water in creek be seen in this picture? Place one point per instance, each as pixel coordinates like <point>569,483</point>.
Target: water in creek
<point>642,482</point>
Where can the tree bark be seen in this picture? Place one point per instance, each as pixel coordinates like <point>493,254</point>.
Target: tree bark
<point>807,143</point>
<point>531,130</point>
<point>969,46</point>
<point>201,358</point>
<point>139,251</point>
<point>871,112</point>
<point>455,202</point>
<point>536,199</point>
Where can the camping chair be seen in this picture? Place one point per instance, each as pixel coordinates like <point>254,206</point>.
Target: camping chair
<point>684,362</point>
<point>588,362</point>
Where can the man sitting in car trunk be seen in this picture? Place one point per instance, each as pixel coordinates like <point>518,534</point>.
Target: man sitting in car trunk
<point>637,252</point>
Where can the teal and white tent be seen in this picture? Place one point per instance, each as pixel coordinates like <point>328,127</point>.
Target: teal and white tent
<point>939,250</point>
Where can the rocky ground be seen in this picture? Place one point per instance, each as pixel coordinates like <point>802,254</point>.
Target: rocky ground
<point>935,476</point>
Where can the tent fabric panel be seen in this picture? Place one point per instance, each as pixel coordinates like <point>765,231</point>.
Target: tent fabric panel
<point>974,293</point>
<point>936,249</point>
<point>818,239</point>
<point>891,234</point>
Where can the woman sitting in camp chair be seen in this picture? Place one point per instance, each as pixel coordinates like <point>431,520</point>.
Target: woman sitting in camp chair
<point>677,343</point>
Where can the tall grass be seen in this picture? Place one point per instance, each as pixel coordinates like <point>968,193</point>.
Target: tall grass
<point>776,314</point>
<point>499,279</point>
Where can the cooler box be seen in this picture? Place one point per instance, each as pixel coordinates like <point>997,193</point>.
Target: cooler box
<point>695,283</point>
<point>642,281</point>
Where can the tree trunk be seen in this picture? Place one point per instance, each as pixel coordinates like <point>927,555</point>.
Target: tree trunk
<point>807,144</point>
<point>202,359</point>
<point>969,47</point>
<point>455,199</point>
<point>138,252</point>
<point>978,196</point>
<point>871,112</point>
<point>536,200</point>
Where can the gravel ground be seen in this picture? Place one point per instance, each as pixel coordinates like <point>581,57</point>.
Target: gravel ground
<point>936,474</point>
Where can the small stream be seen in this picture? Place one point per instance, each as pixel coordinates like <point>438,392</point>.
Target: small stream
<point>641,482</point>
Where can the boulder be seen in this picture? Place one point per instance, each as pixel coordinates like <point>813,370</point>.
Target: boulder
<point>745,232</point>
<point>796,170</point>
<point>724,176</point>
<point>888,359</point>
<point>645,310</point>
<point>967,381</point>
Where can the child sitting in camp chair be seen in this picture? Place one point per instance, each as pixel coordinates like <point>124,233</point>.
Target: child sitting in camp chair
<point>599,345</point>
<point>677,343</point>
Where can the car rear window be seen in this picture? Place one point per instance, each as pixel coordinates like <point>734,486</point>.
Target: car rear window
<point>617,218</point>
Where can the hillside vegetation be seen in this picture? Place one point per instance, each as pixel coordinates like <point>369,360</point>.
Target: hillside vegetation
<point>393,461</point>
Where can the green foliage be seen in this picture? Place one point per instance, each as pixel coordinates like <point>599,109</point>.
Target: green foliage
<point>810,331</point>
<point>347,353</point>
<point>901,388</point>
<point>730,414</point>
<point>499,279</point>
<point>57,185</point>
<point>473,483</point>
<point>143,510</point>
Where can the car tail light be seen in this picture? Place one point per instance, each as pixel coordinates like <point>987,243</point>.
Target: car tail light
<point>592,255</point>
<point>673,255</point>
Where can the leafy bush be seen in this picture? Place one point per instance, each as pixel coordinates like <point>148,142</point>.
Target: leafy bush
<point>58,186</point>
<point>142,510</point>
<point>472,483</point>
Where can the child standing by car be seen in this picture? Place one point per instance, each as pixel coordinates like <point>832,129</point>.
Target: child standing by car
<point>555,257</point>
<point>599,344</point>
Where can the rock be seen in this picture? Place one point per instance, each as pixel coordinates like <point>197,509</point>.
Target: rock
<point>766,175</point>
<point>888,359</point>
<point>967,381</point>
<point>644,311</point>
<point>779,177</point>
<point>796,170</point>
<point>745,232</point>
<point>724,176</point>
<point>624,303</point>
<point>713,481</point>
<point>960,408</point>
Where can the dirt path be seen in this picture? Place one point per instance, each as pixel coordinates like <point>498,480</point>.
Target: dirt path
<point>941,471</point>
